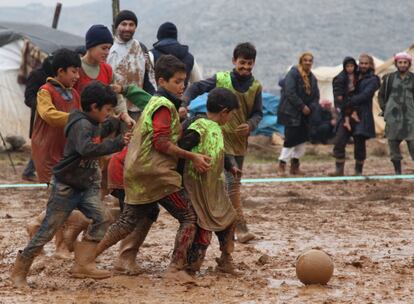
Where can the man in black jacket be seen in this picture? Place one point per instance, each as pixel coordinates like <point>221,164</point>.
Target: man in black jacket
<point>366,86</point>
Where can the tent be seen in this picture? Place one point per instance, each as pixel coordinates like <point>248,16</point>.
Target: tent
<point>267,125</point>
<point>325,76</point>
<point>23,47</point>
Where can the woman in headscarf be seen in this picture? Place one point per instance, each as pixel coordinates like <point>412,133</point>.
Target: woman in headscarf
<point>300,93</point>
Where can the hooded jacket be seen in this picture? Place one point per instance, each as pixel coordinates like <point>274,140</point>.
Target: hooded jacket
<point>340,82</point>
<point>367,84</point>
<point>79,166</point>
<point>171,46</point>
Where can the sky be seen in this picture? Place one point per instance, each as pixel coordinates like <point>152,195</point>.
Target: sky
<point>16,3</point>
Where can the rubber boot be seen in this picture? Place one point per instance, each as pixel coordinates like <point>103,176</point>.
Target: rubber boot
<point>397,167</point>
<point>32,228</point>
<point>84,267</point>
<point>126,261</point>
<point>61,250</point>
<point>295,167</point>
<point>339,169</point>
<point>242,232</point>
<point>20,270</point>
<point>359,165</point>
<point>225,264</point>
<point>281,170</point>
<point>74,225</point>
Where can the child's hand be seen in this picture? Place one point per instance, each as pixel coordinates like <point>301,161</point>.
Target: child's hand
<point>340,98</point>
<point>236,172</point>
<point>117,88</point>
<point>182,111</point>
<point>201,162</point>
<point>128,120</point>
<point>127,137</point>
<point>243,129</point>
<point>306,111</point>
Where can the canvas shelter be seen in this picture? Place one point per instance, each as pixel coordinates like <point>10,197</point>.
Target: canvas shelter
<point>23,47</point>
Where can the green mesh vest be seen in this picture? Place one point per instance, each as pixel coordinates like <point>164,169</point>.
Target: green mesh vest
<point>207,191</point>
<point>235,144</point>
<point>148,174</point>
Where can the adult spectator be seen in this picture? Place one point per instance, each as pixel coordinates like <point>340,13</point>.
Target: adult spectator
<point>396,99</point>
<point>299,93</point>
<point>129,58</point>
<point>366,86</point>
<point>168,44</point>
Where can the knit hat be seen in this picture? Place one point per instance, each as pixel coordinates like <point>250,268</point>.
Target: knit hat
<point>98,34</point>
<point>167,30</point>
<point>125,15</point>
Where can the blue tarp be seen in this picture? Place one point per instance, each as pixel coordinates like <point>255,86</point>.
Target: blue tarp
<point>268,124</point>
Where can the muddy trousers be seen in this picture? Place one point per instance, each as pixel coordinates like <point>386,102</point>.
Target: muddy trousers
<point>341,140</point>
<point>233,184</point>
<point>177,204</point>
<point>395,152</point>
<point>62,201</point>
<point>202,240</point>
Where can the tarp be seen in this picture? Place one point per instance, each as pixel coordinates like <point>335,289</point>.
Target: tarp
<point>268,124</point>
<point>45,38</point>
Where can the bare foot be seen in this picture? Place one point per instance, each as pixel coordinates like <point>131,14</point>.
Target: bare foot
<point>355,116</point>
<point>347,125</point>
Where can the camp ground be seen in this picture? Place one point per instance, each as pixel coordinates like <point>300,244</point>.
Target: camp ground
<point>363,224</point>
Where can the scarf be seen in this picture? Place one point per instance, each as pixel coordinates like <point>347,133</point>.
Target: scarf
<point>305,74</point>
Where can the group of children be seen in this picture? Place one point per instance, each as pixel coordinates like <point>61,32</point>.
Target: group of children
<point>157,160</point>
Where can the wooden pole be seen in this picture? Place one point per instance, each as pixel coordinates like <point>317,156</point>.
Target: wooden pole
<point>57,15</point>
<point>115,11</point>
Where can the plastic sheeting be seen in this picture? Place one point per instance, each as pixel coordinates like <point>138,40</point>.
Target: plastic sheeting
<point>15,115</point>
<point>267,126</point>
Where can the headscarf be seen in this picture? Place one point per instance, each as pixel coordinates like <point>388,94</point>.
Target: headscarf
<point>403,55</point>
<point>305,74</point>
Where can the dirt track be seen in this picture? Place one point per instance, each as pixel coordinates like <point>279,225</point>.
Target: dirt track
<point>365,226</point>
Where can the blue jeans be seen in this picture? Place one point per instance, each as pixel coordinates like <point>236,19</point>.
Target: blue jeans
<point>62,201</point>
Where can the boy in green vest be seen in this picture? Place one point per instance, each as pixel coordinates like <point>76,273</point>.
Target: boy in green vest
<point>207,190</point>
<point>249,94</point>
<point>150,174</point>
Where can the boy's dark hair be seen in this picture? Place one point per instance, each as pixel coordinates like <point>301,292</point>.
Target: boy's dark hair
<point>64,58</point>
<point>219,99</point>
<point>167,66</point>
<point>245,50</point>
<point>97,92</point>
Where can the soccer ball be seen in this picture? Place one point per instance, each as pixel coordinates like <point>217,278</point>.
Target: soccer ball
<point>314,267</point>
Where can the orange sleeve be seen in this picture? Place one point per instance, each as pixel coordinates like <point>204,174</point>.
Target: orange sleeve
<point>48,112</point>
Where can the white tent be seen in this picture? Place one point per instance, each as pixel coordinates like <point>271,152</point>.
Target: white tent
<point>22,47</point>
<point>325,76</point>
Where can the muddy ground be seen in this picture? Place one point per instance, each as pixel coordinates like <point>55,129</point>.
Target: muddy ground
<point>367,227</point>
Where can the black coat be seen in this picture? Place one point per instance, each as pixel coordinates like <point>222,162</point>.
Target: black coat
<point>365,90</point>
<point>320,128</point>
<point>173,47</point>
<point>293,98</point>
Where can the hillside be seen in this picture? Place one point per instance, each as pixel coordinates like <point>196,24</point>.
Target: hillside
<point>281,30</point>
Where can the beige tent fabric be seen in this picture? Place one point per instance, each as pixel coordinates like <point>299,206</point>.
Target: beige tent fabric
<point>325,76</point>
